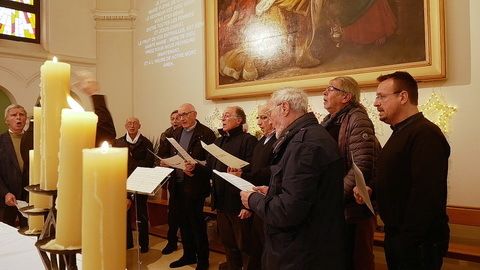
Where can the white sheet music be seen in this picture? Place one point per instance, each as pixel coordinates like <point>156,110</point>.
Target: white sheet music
<point>181,152</point>
<point>240,183</point>
<point>223,156</point>
<point>147,180</point>
<point>362,187</point>
<point>174,162</point>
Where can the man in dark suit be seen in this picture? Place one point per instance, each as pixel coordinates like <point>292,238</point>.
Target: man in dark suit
<point>188,192</point>
<point>14,147</point>
<point>259,175</point>
<point>139,155</point>
<point>164,152</point>
<point>233,221</point>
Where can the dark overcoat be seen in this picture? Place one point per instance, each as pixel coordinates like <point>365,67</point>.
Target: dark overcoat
<point>303,209</point>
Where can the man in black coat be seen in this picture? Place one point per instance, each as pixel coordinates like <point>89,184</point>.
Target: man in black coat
<point>188,192</point>
<point>233,220</point>
<point>259,175</point>
<point>303,206</point>
<point>164,149</point>
<point>14,146</point>
<point>139,155</point>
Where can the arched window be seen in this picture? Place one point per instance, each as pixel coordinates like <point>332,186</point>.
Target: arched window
<point>20,20</point>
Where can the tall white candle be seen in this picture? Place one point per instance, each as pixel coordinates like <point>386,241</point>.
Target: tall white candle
<point>54,86</point>
<point>104,208</point>
<point>37,130</point>
<point>77,132</point>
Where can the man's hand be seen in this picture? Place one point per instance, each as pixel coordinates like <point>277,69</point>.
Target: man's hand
<point>244,195</point>
<point>129,203</point>
<point>189,167</point>
<point>88,87</point>
<point>234,171</point>
<point>261,189</point>
<point>358,197</point>
<point>10,199</point>
<point>162,163</point>
<point>244,214</point>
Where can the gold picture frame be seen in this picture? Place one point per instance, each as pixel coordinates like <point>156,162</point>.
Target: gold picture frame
<point>429,65</point>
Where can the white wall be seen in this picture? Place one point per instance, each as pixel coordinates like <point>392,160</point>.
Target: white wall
<point>158,93</point>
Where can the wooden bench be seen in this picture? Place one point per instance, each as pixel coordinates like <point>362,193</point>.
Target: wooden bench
<point>463,221</point>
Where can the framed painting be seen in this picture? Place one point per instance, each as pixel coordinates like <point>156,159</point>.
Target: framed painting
<point>254,47</point>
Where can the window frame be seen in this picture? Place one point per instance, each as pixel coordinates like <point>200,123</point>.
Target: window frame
<point>35,9</point>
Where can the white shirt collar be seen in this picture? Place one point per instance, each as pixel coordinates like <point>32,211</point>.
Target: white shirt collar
<point>134,139</point>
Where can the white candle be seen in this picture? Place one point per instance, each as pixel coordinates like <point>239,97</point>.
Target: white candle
<point>37,130</point>
<point>35,223</point>
<point>104,208</point>
<point>77,132</point>
<point>54,86</point>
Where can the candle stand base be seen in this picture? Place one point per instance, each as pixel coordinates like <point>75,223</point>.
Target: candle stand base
<point>57,259</point>
<point>53,258</point>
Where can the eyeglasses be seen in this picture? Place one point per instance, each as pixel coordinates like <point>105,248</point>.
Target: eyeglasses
<point>181,115</point>
<point>262,117</point>
<point>331,88</point>
<point>228,116</point>
<point>271,108</point>
<point>380,97</point>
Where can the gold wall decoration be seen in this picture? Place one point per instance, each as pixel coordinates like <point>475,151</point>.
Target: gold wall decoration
<point>438,111</point>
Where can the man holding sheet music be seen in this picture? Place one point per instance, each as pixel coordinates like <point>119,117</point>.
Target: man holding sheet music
<point>188,192</point>
<point>352,129</point>
<point>138,156</point>
<point>259,175</point>
<point>303,206</point>
<point>233,220</point>
<point>164,152</point>
<point>411,179</point>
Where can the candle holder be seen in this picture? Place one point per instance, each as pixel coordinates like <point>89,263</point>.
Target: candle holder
<point>32,211</point>
<point>53,258</point>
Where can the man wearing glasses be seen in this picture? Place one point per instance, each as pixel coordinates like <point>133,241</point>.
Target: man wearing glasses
<point>233,220</point>
<point>188,192</point>
<point>411,176</point>
<point>352,129</point>
<point>303,206</point>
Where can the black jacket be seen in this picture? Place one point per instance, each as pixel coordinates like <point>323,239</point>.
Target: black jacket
<point>198,185</point>
<point>303,209</point>
<point>226,197</point>
<point>259,174</point>
<point>138,154</point>
<point>105,127</point>
<point>12,179</point>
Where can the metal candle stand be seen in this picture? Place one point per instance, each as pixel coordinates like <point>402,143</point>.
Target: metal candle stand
<point>53,259</point>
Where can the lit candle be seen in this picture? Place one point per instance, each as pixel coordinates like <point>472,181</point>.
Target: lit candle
<point>77,132</point>
<point>54,87</point>
<point>104,208</point>
<point>39,201</point>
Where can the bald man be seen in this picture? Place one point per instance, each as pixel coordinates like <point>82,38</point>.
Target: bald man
<point>188,192</point>
<point>138,156</point>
